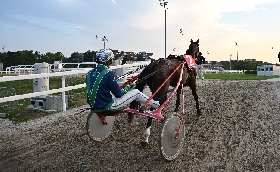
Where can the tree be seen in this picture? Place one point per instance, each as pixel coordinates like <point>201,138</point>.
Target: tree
<point>76,57</point>
<point>49,58</point>
<point>140,57</point>
<point>89,56</point>
<point>117,56</point>
<point>247,65</point>
<point>3,58</point>
<point>240,65</point>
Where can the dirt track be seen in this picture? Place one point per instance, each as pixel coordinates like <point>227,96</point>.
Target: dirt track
<point>238,131</point>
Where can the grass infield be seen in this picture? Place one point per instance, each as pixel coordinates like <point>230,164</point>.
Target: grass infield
<point>236,76</point>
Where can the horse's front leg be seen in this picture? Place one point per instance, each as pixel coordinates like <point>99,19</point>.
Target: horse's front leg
<point>147,133</point>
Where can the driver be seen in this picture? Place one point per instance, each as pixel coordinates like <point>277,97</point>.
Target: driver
<point>103,91</point>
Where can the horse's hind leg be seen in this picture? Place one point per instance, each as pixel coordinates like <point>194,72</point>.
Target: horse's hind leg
<point>193,88</point>
<point>147,133</point>
<point>196,100</point>
<point>134,105</point>
<point>178,100</point>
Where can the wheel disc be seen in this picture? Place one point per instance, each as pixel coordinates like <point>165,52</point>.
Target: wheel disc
<point>170,145</point>
<point>96,130</point>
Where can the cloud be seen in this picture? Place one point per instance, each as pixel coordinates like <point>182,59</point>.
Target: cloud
<point>66,0</point>
<point>140,25</point>
<point>114,2</point>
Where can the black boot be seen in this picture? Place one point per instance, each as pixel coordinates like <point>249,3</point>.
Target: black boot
<point>164,97</point>
<point>162,100</point>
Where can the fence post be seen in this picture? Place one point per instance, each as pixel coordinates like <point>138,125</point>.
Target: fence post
<point>63,95</point>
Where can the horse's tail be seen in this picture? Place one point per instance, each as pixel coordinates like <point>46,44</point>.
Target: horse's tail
<point>145,76</point>
<point>142,80</point>
<point>140,85</point>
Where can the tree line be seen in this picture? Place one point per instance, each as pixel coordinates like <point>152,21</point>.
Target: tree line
<point>242,65</point>
<point>29,57</point>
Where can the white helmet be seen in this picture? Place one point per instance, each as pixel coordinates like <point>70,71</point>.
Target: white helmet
<point>103,55</point>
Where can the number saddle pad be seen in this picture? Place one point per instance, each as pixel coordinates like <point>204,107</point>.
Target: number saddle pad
<point>190,61</point>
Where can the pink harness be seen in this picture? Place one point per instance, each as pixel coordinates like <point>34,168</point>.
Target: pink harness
<point>190,61</point>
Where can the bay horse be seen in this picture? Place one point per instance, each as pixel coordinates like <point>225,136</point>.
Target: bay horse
<point>158,71</point>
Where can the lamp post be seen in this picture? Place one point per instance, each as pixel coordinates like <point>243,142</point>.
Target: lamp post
<point>3,48</point>
<point>230,62</point>
<point>209,67</point>
<point>164,3</point>
<point>236,50</point>
<point>103,39</point>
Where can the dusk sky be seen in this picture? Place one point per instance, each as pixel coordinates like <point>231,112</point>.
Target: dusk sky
<point>69,26</point>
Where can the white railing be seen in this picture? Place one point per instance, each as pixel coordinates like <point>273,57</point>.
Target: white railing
<point>20,68</point>
<point>79,66</point>
<point>63,89</point>
<point>30,68</point>
<point>223,71</point>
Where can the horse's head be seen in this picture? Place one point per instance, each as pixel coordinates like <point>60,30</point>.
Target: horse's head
<point>193,49</point>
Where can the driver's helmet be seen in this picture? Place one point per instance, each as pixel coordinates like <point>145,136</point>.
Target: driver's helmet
<point>103,55</point>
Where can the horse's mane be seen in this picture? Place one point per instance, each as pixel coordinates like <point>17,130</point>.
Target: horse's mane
<point>178,57</point>
<point>149,69</point>
<point>189,52</point>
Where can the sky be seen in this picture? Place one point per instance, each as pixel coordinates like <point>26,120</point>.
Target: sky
<point>69,26</point>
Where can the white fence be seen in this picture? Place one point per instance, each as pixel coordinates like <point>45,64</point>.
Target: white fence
<point>27,69</point>
<point>223,71</point>
<point>63,89</point>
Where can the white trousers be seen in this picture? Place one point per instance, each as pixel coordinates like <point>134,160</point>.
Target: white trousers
<point>199,70</point>
<point>135,94</point>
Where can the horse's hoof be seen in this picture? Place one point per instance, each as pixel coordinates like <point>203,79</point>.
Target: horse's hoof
<point>175,114</point>
<point>144,145</point>
<point>199,112</point>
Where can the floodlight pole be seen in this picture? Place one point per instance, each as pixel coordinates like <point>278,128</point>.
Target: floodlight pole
<point>164,3</point>
<point>3,48</point>
<point>165,32</point>
<point>230,62</point>
<point>236,50</point>
<point>103,39</point>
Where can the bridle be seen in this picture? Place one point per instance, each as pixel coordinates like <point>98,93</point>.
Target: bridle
<point>193,48</point>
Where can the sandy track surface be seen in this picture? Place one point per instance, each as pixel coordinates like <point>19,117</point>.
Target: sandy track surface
<point>238,131</point>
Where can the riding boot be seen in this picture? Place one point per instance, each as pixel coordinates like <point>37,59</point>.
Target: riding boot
<point>162,100</point>
<point>164,97</point>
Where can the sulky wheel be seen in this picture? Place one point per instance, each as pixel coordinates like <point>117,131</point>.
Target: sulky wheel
<point>96,130</point>
<point>170,146</point>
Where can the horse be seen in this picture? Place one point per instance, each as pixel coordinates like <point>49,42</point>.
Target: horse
<point>158,71</point>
